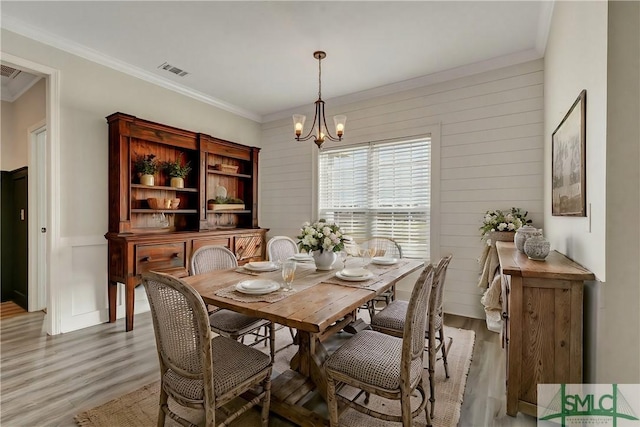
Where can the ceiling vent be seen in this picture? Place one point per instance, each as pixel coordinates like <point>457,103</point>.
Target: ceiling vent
<point>170,68</point>
<point>9,72</point>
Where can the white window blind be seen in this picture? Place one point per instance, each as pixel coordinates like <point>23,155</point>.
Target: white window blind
<point>379,189</point>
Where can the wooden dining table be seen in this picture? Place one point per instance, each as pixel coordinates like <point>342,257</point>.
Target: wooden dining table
<point>320,305</point>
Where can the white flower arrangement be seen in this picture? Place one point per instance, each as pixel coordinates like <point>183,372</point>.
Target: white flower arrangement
<point>321,236</point>
<point>498,220</point>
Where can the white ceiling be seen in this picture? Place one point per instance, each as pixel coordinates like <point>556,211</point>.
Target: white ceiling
<point>256,58</point>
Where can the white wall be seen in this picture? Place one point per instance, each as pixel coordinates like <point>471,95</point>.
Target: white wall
<point>595,46</point>
<point>88,93</point>
<point>573,63</point>
<point>17,117</point>
<point>490,156</point>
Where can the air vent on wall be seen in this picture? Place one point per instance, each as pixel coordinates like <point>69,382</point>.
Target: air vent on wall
<point>175,70</point>
<point>9,71</point>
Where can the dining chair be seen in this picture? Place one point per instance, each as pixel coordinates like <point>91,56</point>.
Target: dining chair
<point>280,248</point>
<point>228,322</point>
<point>391,321</point>
<point>381,247</point>
<point>197,371</point>
<point>384,365</point>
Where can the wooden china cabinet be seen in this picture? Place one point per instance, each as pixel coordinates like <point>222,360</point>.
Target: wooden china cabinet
<point>162,238</point>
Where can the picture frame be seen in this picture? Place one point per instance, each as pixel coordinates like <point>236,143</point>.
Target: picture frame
<point>568,173</point>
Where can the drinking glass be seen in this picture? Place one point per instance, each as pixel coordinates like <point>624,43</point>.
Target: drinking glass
<point>288,273</point>
<point>366,255</point>
<point>343,257</point>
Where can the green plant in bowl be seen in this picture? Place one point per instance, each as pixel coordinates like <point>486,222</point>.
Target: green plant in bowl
<point>176,169</point>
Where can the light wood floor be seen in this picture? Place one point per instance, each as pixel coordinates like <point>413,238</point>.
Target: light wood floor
<point>10,309</point>
<point>46,380</point>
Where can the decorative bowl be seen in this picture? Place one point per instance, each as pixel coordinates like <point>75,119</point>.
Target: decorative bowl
<point>537,248</point>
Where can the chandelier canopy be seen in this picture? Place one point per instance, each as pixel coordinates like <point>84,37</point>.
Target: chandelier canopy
<point>319,129</point>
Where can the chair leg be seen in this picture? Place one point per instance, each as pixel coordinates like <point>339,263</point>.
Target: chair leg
<point>163,403</point>
<point>405,404</point>
<point>371,307</point>
<point>272,341</point>
<point>266,401</point>
<point>432,377</point>
<point>443,344</point>
<point>332,402</point>
<point>427,413</point>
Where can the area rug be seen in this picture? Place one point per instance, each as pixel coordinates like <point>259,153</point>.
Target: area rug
<point>140,407</point>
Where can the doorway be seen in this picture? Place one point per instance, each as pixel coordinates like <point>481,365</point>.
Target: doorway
<point>53,275</point>
<point>15,237</point>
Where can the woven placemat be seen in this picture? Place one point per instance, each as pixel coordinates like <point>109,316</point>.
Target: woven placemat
<point>232,293</point>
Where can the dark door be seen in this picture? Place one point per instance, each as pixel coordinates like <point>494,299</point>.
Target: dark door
<point>15,237</point>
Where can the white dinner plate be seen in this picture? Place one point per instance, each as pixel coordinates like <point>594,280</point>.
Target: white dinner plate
<point>380,260</point>
<point>257,286</point>
<point>339,275</point>
<point>355,272</point>
<point>302,257</point>
<point>261,266</point>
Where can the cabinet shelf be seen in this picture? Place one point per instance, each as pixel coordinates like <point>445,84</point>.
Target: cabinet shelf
<point>159,187</point>
<point>236,175</point>
<point>180,211</point>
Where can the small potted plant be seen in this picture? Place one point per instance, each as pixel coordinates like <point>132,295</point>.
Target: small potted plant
<point>177,171</point>
<point>146,166</point>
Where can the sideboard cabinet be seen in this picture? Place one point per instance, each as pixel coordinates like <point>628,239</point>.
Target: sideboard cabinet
<point>542,328</point>
<point>157,227</point>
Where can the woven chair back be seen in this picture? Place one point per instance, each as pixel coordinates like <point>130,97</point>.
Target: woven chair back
<point>416,318</point>
<point>280,248</point>
<point>181,325</point>
<point>383,246</point>
<point>210,258</point>
<point>435,305</point>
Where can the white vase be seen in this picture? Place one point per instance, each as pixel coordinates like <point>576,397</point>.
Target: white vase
<point>523,233</point>
<point>324,260</point>
<point>146,179</point>
<point>177,182</point>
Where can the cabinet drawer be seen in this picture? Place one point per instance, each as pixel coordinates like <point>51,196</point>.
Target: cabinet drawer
<point>216,241</point>
<point>165,256</point>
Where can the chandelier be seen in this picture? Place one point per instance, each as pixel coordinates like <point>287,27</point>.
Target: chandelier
<point>320,131</point>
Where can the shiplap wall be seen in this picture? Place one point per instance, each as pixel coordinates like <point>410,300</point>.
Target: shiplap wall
<point>490,157</point>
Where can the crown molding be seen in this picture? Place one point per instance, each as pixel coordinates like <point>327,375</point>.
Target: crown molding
<point>430,79</point>
<point>20,27</point>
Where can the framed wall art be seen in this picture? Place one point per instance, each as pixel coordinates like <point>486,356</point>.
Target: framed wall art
<point>568,144</point>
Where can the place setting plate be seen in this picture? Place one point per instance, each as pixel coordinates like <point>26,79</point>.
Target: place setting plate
<point>354,274</point>
<point>302,257</point>
<point>261,266</point>
<point>381,260</point>
<point>257,286</point>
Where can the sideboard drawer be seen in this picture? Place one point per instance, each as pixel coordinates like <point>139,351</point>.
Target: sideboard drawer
<point>165,256</point>
<point>217,241</point>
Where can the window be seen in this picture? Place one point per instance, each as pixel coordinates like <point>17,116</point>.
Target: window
<point>379,189</point>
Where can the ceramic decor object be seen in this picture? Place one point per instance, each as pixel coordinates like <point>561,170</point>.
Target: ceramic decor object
<point>523,233</point>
